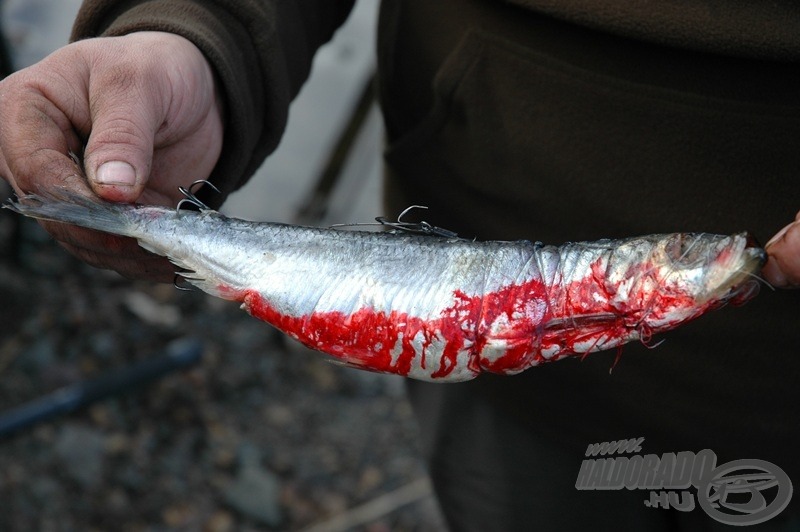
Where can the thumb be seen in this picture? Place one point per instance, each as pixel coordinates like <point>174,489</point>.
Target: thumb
<point>117,159</point>
<point>783,267</point>
<point>119,151</point>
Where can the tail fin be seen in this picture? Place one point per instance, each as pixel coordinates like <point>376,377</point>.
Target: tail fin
<point>64,206</point>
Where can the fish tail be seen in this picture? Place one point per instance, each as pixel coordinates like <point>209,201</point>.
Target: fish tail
<point>69,207</point>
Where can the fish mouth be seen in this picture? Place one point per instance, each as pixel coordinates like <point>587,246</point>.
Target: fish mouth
<point>757,252</point>
<point>744,285</point>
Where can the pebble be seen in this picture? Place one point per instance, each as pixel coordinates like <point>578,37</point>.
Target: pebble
<point>370,479</point>
<point>117,444</point>
<point>177,515</point>
<point>103,344</point>
<point>151,311</point>
<point>220,521</point>
<point>255,493</point>
<point>81,451</point>
<point>278,415</point>
<point>38,356</point>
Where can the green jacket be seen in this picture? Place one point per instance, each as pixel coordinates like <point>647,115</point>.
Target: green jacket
<point>560,120</point>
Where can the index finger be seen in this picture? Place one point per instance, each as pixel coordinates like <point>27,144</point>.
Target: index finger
<point>37,169</point>
<point>42,119</point>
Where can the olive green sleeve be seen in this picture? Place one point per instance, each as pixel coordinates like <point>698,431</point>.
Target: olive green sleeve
<point>261,51</point>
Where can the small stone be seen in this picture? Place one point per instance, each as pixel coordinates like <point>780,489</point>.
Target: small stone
<point>162,293</point>
<point>118,443</point>
<point>371,478</point>
<point>103,344</point>
<point>177,515</point>
<point>100,415</point>
<point>132,478</point>
<point>220,521</point>
<point>151,311</point>
<point>255,493</point>
<point>333,503</point>
<point>117,500</point>
<point>323,375</point>
<point>224,457</point>
<point>44,490</point>
<point>41,354</point>
<point>81,450</point>
<point>45,434</point>
<point>278,415</point>
<point>378,526</point>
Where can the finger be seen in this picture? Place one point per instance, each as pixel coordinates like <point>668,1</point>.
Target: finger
<point>141,266</point>
<point>36,137</point>
<point>127,110</point>
<point>107,251</point>
<point>783,267</point>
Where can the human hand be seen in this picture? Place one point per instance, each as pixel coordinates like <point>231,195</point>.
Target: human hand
<point>145,107</point>
<point>783,267</point>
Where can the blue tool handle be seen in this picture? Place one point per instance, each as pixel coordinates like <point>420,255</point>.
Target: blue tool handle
<point>180,354</point>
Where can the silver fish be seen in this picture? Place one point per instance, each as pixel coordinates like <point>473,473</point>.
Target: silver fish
<point>431,308</point>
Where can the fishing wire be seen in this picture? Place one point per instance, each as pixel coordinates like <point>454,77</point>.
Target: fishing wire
<point>402,226</point>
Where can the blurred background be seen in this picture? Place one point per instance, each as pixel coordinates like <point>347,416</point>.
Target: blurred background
<point>196,416</point>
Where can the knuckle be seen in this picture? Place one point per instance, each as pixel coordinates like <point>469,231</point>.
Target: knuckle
<point>126,77</point>
<point>120,130</point>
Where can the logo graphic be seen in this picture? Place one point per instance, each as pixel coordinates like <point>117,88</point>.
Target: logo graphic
<point>740,493</point>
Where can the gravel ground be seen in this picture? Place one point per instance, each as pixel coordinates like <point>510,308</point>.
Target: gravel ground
<point>259,435</point>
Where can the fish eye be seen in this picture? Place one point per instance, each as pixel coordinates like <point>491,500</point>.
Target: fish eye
<point>685,250</point>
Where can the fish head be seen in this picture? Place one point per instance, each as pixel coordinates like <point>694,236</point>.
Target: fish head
<point>684,275</point>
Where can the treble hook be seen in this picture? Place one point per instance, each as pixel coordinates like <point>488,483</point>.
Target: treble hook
<point>417,228</point>
<point>180,281</point>
<point>191,198</point>
<point>175,281</point>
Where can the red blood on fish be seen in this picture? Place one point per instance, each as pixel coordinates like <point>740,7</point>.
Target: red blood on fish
<point>376,340</point>
<point>512,321</point>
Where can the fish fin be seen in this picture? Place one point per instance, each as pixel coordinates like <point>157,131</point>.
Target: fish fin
<point>355,365</point>
<point>62,205</point>
<point>214,288</point>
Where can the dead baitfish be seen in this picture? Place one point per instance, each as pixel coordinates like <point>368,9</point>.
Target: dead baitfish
<point>431,307</point>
